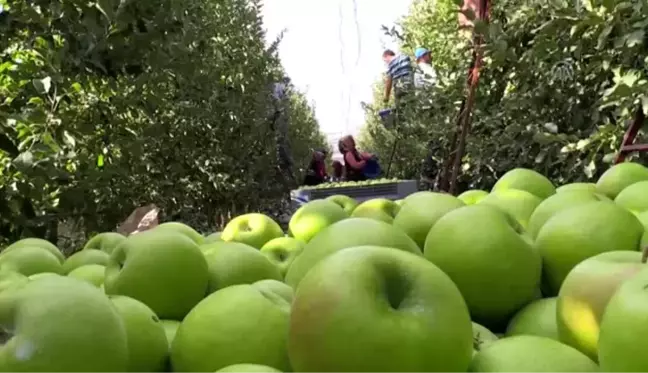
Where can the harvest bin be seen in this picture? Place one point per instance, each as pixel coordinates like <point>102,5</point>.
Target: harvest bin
<point>393,191</point>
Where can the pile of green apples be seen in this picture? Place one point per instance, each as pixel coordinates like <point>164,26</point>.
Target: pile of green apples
<point>346,184</point>
<point>526,277</point>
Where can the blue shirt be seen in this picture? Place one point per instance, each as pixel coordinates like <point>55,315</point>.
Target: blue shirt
<point>400,67</point>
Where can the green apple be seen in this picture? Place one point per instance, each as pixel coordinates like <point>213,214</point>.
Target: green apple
<point>60,325</point>
<point>253,368</point>
<point>252,229</point>
<point>145,335</point>
<point>10,279</point>
<point>382,209</point>
<point>182,229</point>
<point>399,202</point>
<point>164,270</point>
<point>170,330</point>
<point>313,217</point>
<point>634,198</point>
<point>472,197</point>
<point>490,258</point>
<point>619,177</point>
<point>581,232</point>
<point>518,203</point>
<point>106,241</point>
<point>528,353</point>
<point>85,257</point>
<point>214,237</point>
<point>482,337</point>
<point>233,263</point>
<point>585,294</point>
<point>556,203</point>
<point>344,234</point>
<point>43,275</point>
<point>527,180</point>
<point>536,318</point>
<point>346,202</point>
<point>421,211</point>
<point>416,195</point>
<point>241,324</point>
<point>583,187</point>
<point>276,287</point>
<point>36,242</point>
<point>373,308</point>
<point>29,260</point>
<point>282,252</point>
<point>624,328</point>
<point>643,219</point>
<point>92,273</point>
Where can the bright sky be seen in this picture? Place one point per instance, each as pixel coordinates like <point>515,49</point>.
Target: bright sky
<point>331,57</point>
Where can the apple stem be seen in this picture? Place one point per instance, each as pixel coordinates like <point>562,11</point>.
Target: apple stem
<point>644,257</point>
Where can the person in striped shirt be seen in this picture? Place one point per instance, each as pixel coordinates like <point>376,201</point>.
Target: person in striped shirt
<point>400,75</point>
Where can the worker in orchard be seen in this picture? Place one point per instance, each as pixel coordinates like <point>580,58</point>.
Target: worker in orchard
<point>279,124</point>
<point>425,75</point>
<point>400,77</point>
<point>316,173</point>
<point>338,171</point>
<point>354,160</point>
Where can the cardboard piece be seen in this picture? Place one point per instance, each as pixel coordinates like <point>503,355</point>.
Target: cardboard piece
<point>142,219</point>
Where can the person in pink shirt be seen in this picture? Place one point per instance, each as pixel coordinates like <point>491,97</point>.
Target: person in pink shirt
<point>354,160</point>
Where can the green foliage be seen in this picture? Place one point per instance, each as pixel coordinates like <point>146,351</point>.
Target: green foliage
<point>556,94</point>
<point>106,106</point>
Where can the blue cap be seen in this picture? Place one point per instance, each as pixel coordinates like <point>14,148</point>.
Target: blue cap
<point>420,52</point>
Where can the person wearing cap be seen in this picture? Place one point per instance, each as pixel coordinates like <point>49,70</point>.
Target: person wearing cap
<point>425,75</point>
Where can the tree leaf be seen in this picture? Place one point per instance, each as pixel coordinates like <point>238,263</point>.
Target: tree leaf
<point>35,101</point>
<point>635,38</point>
<point>76,87</point>
<point>609,158</point>
<point>590,169</point>
<point>630,78</point>
<point>69,139</point>
<point>42,85</point>
<point>551,127</point>
<point>24,160</point>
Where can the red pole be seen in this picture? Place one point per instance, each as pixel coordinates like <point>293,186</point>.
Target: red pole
<point>628,146</point>
<point>451,166</point>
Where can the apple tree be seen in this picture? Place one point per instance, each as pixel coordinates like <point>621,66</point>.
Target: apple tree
<point>558,89</point>
<point>106,106</point>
